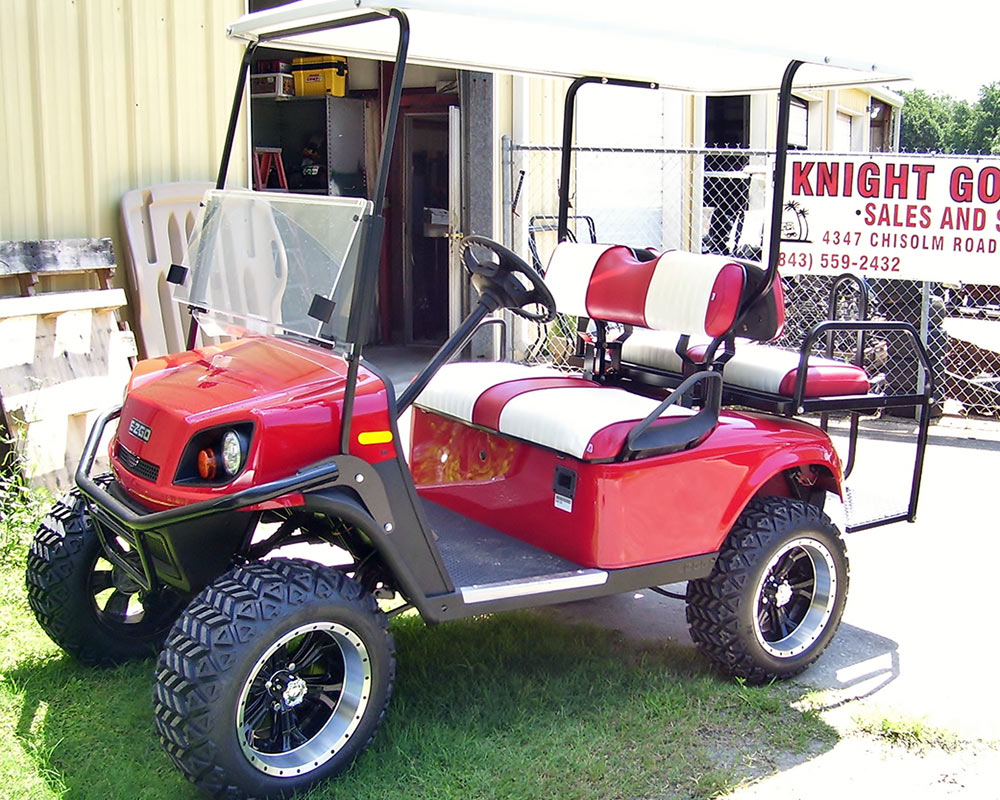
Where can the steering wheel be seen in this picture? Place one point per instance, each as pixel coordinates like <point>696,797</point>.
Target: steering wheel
<point>508,282</point>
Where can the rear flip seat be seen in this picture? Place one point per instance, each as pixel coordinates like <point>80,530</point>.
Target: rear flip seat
<point>755,367</point>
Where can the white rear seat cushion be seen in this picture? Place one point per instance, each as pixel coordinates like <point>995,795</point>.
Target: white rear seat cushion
<point>656,349</point>
<point>765,369</point>
<point>754,366</point>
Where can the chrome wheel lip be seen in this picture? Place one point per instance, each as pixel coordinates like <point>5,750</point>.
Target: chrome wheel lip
<point>344,719</point>
<point>821,606</point>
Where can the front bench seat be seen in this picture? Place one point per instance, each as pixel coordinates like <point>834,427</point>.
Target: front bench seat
<point>543,406</point>
<point>569,413</point>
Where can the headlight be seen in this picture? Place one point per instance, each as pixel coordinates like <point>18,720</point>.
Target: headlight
<point>215,456</point>
<point>232,453</point>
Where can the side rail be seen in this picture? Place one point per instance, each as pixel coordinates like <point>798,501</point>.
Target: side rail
<point>909,333</point>
<point>922,398</point>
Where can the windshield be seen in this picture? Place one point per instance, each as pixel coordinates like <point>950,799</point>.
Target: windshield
<point>257,261</point>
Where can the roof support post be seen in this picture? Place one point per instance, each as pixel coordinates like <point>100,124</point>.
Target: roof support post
<point>569,113</point>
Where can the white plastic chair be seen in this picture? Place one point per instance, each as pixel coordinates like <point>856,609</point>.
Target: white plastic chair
<point>157,222</point>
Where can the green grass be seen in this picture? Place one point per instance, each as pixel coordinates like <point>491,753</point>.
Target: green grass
<point>510,706</point>
<point>908,732</point>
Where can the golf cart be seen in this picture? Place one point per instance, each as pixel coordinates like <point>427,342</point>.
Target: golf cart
<point>524,485</point>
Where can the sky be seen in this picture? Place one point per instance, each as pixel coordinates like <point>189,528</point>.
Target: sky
<point>955,54</point>
<point>948,47</point>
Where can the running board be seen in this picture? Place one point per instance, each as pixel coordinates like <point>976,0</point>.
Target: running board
<point>523,587</point>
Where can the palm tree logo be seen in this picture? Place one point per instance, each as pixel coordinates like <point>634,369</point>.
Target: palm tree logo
<point>794,225</point>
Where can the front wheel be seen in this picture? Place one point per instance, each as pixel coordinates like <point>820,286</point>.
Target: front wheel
<point>274,678</point>
<point>90,608</point>
<point>776,595</point>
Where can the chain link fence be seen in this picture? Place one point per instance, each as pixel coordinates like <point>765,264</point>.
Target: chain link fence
<point>715,200</point>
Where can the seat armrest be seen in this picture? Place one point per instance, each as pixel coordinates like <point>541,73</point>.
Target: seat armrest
<point>644,440</point>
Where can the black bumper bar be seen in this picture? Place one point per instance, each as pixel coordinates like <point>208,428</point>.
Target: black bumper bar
<point>119,519</point>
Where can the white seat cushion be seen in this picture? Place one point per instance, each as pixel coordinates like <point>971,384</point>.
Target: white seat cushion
<point>656,349</point>
<point>773,370</point>
<point>457,386</point>
<point>568,420</point>
<point>754,366</point>
<point>544,406</point>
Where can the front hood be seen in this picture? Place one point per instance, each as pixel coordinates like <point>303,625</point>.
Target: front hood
<point>241,376</point>
<point>291,393</point>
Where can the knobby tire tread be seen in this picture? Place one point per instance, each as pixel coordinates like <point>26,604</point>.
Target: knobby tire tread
<point>192,670</point>
<point>62,552</point>
<point>713,603</point>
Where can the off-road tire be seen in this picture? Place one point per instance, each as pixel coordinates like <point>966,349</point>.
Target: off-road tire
<point>66,575</point>
<point>727,612</point>
<point>220,650</point>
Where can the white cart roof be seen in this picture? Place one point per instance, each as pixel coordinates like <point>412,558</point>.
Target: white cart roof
<point>714,47</point>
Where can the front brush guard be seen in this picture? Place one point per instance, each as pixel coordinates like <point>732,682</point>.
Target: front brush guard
<point>151,534</point>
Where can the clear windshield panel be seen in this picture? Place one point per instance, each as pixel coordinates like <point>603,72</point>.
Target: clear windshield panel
<point>257,260</point>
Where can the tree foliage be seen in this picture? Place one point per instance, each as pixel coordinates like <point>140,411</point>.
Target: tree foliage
<point>940,123</point>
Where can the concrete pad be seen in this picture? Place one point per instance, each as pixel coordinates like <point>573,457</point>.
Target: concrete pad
<point>918,638</point>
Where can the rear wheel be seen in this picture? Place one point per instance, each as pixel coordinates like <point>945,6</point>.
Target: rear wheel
<point>776,595</point>
<point>91,609</point>
<point>274,678</point>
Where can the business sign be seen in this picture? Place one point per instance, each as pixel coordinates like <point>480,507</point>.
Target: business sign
<point>905,217</point>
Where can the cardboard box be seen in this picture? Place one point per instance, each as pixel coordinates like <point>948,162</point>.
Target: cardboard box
<point>271,66</point>
<point>274,85</point>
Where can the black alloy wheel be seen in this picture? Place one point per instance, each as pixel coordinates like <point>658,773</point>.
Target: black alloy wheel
<point>90,608</point>
<point>275,677</point>
<point>776,594</point>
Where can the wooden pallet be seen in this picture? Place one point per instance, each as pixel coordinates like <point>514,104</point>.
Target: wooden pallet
<point>65,357</point>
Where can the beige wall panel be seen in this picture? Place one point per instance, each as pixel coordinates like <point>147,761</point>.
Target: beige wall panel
<point>102,96</point>
<point>854,100</point>
<point>20,199</point>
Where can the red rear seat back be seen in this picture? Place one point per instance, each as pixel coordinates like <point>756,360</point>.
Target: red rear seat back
<point>724,303</point>
<point>677,291</point>
<point>620,282</point>
<point>618,287</point>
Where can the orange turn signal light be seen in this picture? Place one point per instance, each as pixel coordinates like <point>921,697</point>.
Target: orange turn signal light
<point>207,465</point>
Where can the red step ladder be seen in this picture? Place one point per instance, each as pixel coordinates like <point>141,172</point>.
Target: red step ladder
<point>264,158</point>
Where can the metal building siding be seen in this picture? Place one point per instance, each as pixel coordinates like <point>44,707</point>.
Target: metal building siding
<point>102,96</point>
